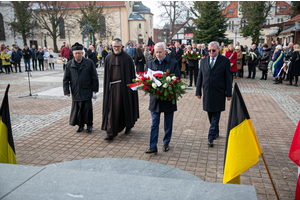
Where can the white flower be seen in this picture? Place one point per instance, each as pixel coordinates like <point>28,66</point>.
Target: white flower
<point>151,78</point>
<point>174,78</point>
<point>168,78</point>
<point>184,53</point>
<point>198,56</point>
<point>154,85</point>
<point>165,85</point>
<point>137,79</point>
<point>192,52</point>
<point>183,87</point>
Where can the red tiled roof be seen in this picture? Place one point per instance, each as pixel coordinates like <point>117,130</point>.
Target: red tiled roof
<point>296,18</point>
<point>232,6</point>
<point>279,11</point>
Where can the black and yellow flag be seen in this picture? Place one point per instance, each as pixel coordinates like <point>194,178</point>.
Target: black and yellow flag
<point>242,146</point>
<point>7,148</point>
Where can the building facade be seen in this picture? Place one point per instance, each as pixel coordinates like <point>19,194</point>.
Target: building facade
<point>127,20</point>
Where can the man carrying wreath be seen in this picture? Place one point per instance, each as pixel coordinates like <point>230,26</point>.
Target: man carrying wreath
<point>161,62</point>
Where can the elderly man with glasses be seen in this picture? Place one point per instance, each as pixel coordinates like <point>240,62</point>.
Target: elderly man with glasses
<point>215,79</point>
<point>120,103</point>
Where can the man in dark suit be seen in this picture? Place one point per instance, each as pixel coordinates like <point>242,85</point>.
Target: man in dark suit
<point>176,53</point>
<point>215,79</point>
<point>92,54</point>
<point>162,62</point>
<point>193,66</point>
<point>16,57</point>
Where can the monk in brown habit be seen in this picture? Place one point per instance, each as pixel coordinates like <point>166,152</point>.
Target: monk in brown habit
<point>120,103</point>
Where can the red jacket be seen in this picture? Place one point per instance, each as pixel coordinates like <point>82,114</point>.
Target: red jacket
<point>65,53</point>
<point>233,60</point>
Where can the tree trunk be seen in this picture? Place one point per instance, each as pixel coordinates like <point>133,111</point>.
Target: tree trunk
<point>24,38</point>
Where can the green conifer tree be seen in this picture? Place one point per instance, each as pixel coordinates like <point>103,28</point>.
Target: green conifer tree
<point>210,22</point>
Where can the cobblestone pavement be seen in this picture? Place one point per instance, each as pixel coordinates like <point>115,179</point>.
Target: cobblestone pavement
<point>42,134</point>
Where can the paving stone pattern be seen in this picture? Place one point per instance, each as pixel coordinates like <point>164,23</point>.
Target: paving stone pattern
<point>42,134</point>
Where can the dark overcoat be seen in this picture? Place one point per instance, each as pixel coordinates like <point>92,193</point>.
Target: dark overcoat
<point>157,105</point>
<point>130,98</point>
<point>216,83</point>
<point>295,65</point>
<point>177,56</point>
<point>193,63</point>
<point>264,59</point>
<point>83,81</point>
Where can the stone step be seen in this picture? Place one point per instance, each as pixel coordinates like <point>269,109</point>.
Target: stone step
<point>125,166</point>
<point>24,182</point>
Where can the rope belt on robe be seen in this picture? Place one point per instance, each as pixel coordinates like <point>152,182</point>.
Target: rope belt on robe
<point>119,81</point>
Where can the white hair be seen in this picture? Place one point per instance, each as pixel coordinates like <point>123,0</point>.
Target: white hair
<point>39,47</point>
<point>199,45</point>
<point>160,44</point>
<point>214,43</point>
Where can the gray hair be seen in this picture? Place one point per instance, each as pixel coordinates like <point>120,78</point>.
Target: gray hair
<point>160,44</point>
<point>254,45</point>
<point>117,40</point>
<point>238,43</point>
<point>214,43</point>
<point>199,45</point>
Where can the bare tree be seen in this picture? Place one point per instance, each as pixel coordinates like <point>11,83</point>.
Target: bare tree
<point>49,15</point>
<point>175,12</point>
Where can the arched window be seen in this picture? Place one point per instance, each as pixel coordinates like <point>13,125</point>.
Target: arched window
<point>2,30</point>
<point>62,34</point>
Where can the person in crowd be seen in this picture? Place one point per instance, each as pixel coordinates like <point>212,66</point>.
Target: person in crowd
<point>64,44</point>
<point>147,55</point>
<point>34,57</point>
<point>26,56</point>
<point>264,61</point>
<point>232,56</point>
<point>204,51</point>
<point>52,58</point>
<point>252,61</point>
<point>139,60</point>
<point>10,53</point>
<point>222,47</point>
<point>83,86</point>
<point>294,67</point>
<point>99,52</point>
<point>260,48</point>
<point>288,55</point>
<point>171,46</point>
<point>158,106</point>
<point>84,50</point>
<point>278,62</point>
<point>16,57</point>
<point>92,54</point>
<point>177,53</point>
<point>187,69</point>
<point>46,58</point>
<point>65,53</point>
<point>273,46</point>
<point>120,103</point>
<point>40,57</point>
<point>216,81</point>
<point>183,63</point>
<point>193,66</point>
<point>5,60</point>
<point>239,61</point>
<point>104,53</point>
<point>243,62</point>
<point>129,50</point>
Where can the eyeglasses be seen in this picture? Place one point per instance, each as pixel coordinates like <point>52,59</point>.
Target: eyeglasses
<point>116,46</point>
<point>212,50</point>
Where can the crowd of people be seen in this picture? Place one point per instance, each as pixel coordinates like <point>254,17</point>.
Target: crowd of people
<point>10,58</point>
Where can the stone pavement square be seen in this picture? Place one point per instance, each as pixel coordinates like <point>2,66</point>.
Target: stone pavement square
<point>43,136</point>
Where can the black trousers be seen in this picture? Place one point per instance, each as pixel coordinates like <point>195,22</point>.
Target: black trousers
<point>81,113</point>
<point>16,64</point>
<point>41,64</point>
<point>34,64</point>
<point>251,68</point>
<point>195,69</point>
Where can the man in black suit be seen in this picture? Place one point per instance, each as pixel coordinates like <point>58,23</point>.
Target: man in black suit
<point>215,79</point>
<point>193,66</point>
<point>16,57</point>
<point>176,53</point>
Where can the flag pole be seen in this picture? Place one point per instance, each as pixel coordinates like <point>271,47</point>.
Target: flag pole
<point>262,155</point>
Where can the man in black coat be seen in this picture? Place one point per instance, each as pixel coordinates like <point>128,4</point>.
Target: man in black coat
<point>215,79</point>
<point>252,62</point>
<point>162,62</point>
<point>193,66</point>
<point>26,56</point>
<point>92,54</point>
<point>81,76</point>
<point>16,57</point>
<point>176,53</point>
<point>120,103</point>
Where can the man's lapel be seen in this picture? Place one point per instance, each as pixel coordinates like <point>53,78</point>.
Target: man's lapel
<point>217,61</point>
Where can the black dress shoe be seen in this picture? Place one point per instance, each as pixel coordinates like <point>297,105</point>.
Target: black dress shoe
<point>289,84</point>
<point>80,128</point>
<point>190,86</point>
<point>296,85</point>
<point>210,143</point>
<point>151,150</point>
<point>248,77</point>
<point>89,129</point>
<point>128,130</point>
<point>166,148</point>
<point>108,138</point>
